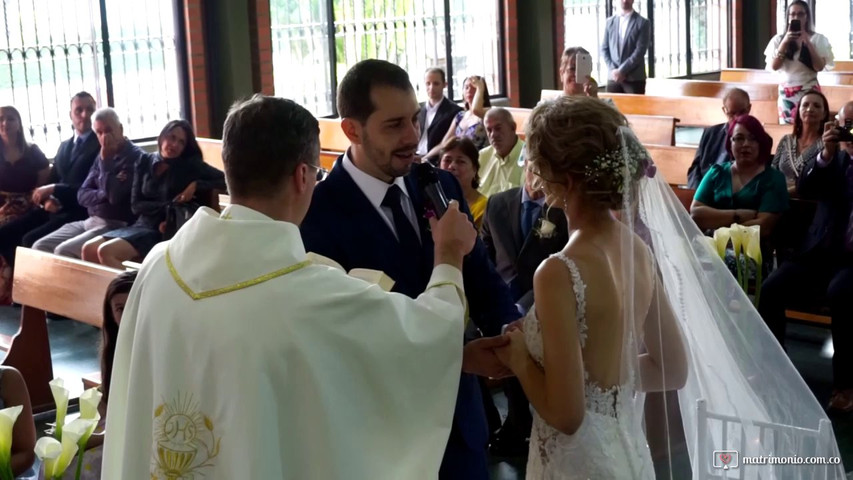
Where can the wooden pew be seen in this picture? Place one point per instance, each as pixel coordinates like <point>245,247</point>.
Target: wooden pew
<point>211,152</point>
<point>691,111</point>
<point>43,283</point>
<point>776,132</point>
<point>673,87</point>
<point>650,129</point>
<point>672,162</point>
<point>747,75</point>
<point>843,66</point>
<point>332,137</point>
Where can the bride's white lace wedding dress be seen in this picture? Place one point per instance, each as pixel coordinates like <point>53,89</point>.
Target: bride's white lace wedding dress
<point>610,443</point>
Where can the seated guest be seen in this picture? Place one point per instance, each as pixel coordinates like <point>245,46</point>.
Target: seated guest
<point>745,191</point>
<point>460,157</point>
<point>501,162</point>
<point>174,174</point>
<point>712,148</point>
<point>436,114</point>
<point>823,267</point>
<point>23,167</point>
<point>114,301</point>
<point>803,145</point>
<point>13,392</point>
<point>469,122</point>
<point>105,193</point>
<point>518,240</point>
<point>568,62</point>
<point>58,198</point>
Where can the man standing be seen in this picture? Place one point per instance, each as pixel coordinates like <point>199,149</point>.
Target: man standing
<point>712,147</point>
<point>58,198</point>
<point>436,113</point>
<point>105,193</point>
<point>238,357</point>
<point>500,162</point>
<point>520,232</point>
<point>371,213</point>
<point>626,39</point>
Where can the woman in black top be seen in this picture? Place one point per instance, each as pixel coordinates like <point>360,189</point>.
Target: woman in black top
<point>172,175</point>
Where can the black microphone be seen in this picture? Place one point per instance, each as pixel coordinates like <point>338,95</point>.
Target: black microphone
<point>427,177</point>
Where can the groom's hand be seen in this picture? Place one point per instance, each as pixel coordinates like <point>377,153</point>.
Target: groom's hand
<point>479,358</point>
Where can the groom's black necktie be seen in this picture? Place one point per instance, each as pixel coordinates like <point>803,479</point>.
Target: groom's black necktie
<point>405,232</point>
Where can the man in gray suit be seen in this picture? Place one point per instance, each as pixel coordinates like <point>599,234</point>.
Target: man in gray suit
<point>626,39</point>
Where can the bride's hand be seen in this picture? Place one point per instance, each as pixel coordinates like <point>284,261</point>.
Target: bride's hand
<point>514,355</point>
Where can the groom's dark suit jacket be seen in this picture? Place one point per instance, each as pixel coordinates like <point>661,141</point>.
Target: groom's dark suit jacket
<point>343,225</point>
<point>517,257</point>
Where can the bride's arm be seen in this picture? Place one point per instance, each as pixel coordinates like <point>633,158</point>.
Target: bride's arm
<point>557,393</point>
<point>664,365</point>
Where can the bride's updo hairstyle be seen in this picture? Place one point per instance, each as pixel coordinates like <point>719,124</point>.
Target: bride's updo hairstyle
<point>579,137</point>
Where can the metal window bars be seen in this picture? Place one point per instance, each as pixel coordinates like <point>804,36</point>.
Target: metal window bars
<point>123,53</point>
<point>315,42</point>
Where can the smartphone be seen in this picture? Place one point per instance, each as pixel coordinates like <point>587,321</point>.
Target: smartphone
<point>795,26</point>
<point>583,67</point>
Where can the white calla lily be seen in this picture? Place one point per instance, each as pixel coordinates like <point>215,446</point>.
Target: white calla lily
<point>752,243</point>
<point>89,402</point>
<point>737,233</point>
<point>60,398</point>
<point>48,449</point>
<point>721,240</point>
<point>72,433</point>
<point>8,416</point>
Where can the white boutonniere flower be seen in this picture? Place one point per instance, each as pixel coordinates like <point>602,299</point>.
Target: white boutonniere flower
<point>545,229</point>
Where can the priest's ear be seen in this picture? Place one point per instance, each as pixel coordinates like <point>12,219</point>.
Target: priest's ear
<point>353,130</point>
<point>304,178</point>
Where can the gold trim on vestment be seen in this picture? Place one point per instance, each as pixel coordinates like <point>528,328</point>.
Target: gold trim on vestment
<point>230,288</point>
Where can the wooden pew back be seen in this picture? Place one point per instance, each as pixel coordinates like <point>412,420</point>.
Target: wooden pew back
<point>690,111</point>
<point>43,283</point>
<point>776,132</point>
<point>650,129</point>
<point>211,152</point>
<point>672,162</point>
<point>673,87</point>
<point>843,66</point>
<point>747,75</point>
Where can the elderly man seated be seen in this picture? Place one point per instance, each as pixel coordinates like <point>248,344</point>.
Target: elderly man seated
<point>105,193</point>
<point>712,147</point>
<point>501,162</point>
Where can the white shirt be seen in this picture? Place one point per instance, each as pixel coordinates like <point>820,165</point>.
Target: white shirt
<point>794,72</point>
<point>375,190</point>
<point>624,20</point>
<point>430,116</point>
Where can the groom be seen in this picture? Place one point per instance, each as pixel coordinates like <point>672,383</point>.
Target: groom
<point>369,213</point>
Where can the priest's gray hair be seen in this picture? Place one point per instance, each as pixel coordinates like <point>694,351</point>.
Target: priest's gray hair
<point>263,142</point>
<point>106,114</point>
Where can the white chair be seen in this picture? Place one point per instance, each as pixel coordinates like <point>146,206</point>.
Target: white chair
<point>769,435</point>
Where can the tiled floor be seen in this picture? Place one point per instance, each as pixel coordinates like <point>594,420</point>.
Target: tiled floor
<point>74,348</point>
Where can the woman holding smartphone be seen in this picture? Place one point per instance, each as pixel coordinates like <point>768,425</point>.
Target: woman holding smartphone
<point>799,53</point>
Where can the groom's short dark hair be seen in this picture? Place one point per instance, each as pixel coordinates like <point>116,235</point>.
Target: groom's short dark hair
<point>354,91</point>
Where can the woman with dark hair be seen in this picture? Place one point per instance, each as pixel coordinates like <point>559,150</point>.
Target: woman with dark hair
<point>460,157</point>
<point>468,123</point>
<point>23,167</point>
<point>798,53</point>
<point>745,191</point>
<point>797,149</point>
<point>172,175</point>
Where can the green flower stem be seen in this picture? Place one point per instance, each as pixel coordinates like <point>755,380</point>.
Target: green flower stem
<point>6,472</point>
<point>79,462</point>
<point>757,285</point>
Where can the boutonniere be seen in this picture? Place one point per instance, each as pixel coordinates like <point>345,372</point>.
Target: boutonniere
<point>545,228</point>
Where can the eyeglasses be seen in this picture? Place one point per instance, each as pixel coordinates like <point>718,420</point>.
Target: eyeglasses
<point>743,139</point>
<point>322,173</point>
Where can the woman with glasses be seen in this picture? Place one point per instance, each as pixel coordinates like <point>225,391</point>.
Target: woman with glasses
<point>803,144</point>
<point>798,53</point>
<point>745,191</point>
<point>173,176</point>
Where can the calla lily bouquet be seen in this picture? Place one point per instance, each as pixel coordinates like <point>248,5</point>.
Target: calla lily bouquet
<point>8,417</point>
<point>69,439</point>
<point>746,243</point>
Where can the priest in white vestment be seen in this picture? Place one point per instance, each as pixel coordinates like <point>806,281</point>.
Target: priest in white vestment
<point>239,358</point>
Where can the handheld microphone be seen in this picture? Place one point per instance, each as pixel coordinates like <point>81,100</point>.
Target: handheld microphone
<point>427,177</point>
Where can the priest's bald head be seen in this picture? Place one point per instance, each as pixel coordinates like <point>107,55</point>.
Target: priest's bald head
<point>271,152</point>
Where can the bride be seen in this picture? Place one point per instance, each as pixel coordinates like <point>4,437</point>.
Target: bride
<point>637,302</point>
<point>573,358</point>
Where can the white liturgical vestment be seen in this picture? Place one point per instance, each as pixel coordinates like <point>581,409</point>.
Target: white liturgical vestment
<point>238,358</point>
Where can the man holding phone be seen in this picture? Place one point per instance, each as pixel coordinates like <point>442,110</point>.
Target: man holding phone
<point>799,53</point>
<point>626,40</point>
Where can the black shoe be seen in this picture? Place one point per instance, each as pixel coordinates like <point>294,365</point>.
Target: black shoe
<point>508,444</point>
